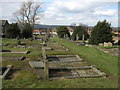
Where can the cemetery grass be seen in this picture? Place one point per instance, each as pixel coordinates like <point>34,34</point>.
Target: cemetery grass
<point>26,77</point>
<point>104,61</point>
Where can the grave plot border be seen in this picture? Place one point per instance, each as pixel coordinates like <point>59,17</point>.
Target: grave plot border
<point>79,59</point>
<point>7,71</point>
<point>98,72</point>
<point>17,52</point>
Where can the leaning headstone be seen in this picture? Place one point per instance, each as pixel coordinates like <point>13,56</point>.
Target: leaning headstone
<point>22,58</point>
<point>6,44</point>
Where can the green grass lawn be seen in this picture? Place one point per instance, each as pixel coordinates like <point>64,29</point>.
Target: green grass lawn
<point>26,78</point>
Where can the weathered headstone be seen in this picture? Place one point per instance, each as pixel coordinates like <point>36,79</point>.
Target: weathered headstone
<point>109,44</point>
<point>83,37</point>
<point>22,58</point>
<point>105,44</point>
<point>77,37</point>
<point>101,44</point>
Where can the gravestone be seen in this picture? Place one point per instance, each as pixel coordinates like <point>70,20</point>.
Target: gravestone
<point>109,44</point>
<point>105,44</point>
<point>101,44</point>
<point>36,64</point>
<point>48,48</point>
<point>22,58</point>
<point>77,37</point>
<point>83,37</point>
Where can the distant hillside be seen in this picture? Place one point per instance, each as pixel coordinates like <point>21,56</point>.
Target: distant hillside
<point>39,26</point>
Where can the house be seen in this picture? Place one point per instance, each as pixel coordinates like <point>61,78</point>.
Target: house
<point>70,30</point>
<point>116,36</point>
<point>53,31</point>
<point>3,25</point>
<point>43,31</point>
<point>36,32</point>
<point>89,30</point>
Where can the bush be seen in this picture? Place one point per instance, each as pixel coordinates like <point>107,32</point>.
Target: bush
<point>80,30</point>
<point>102,32</point>
<point>12,31</point>
<point>62,31</point>
<point>27,31</point>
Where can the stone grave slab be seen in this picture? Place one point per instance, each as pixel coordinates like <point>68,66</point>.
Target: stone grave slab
<point>37,64</point>
<point>64,58</point>
<point>48,48</point>
<point>58,47</point>
<point>81,72</point>
<point>21,52</point>
<point>76,72</point>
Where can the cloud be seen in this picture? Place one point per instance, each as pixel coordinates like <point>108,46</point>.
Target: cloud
<point>85,11</point>
<point>18,1</point>
<point>69,11</point>
<point>104,12</point>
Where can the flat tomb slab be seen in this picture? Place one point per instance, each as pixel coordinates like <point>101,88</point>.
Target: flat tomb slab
<point>48,48</point>
<point>21,52</point>
<point>36,64</point>
<point>58,47</point>
<point>75,72</point>
<point>18,52</point>
<point>64,58</point>
<point>66,64</point>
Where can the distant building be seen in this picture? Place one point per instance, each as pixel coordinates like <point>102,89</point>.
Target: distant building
<point>3,25</point>
<point>115,31</point>
<point>116,35</point>
<point>43,31</point>
<point>36,32</point>
<point>70,30</point>
<point>54,31</point>
<point>89,30</point>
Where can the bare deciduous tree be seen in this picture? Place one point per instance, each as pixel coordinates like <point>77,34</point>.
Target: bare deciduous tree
<point>29,12</point>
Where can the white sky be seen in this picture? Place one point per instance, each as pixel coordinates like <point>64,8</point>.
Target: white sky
<point>65,12</point>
